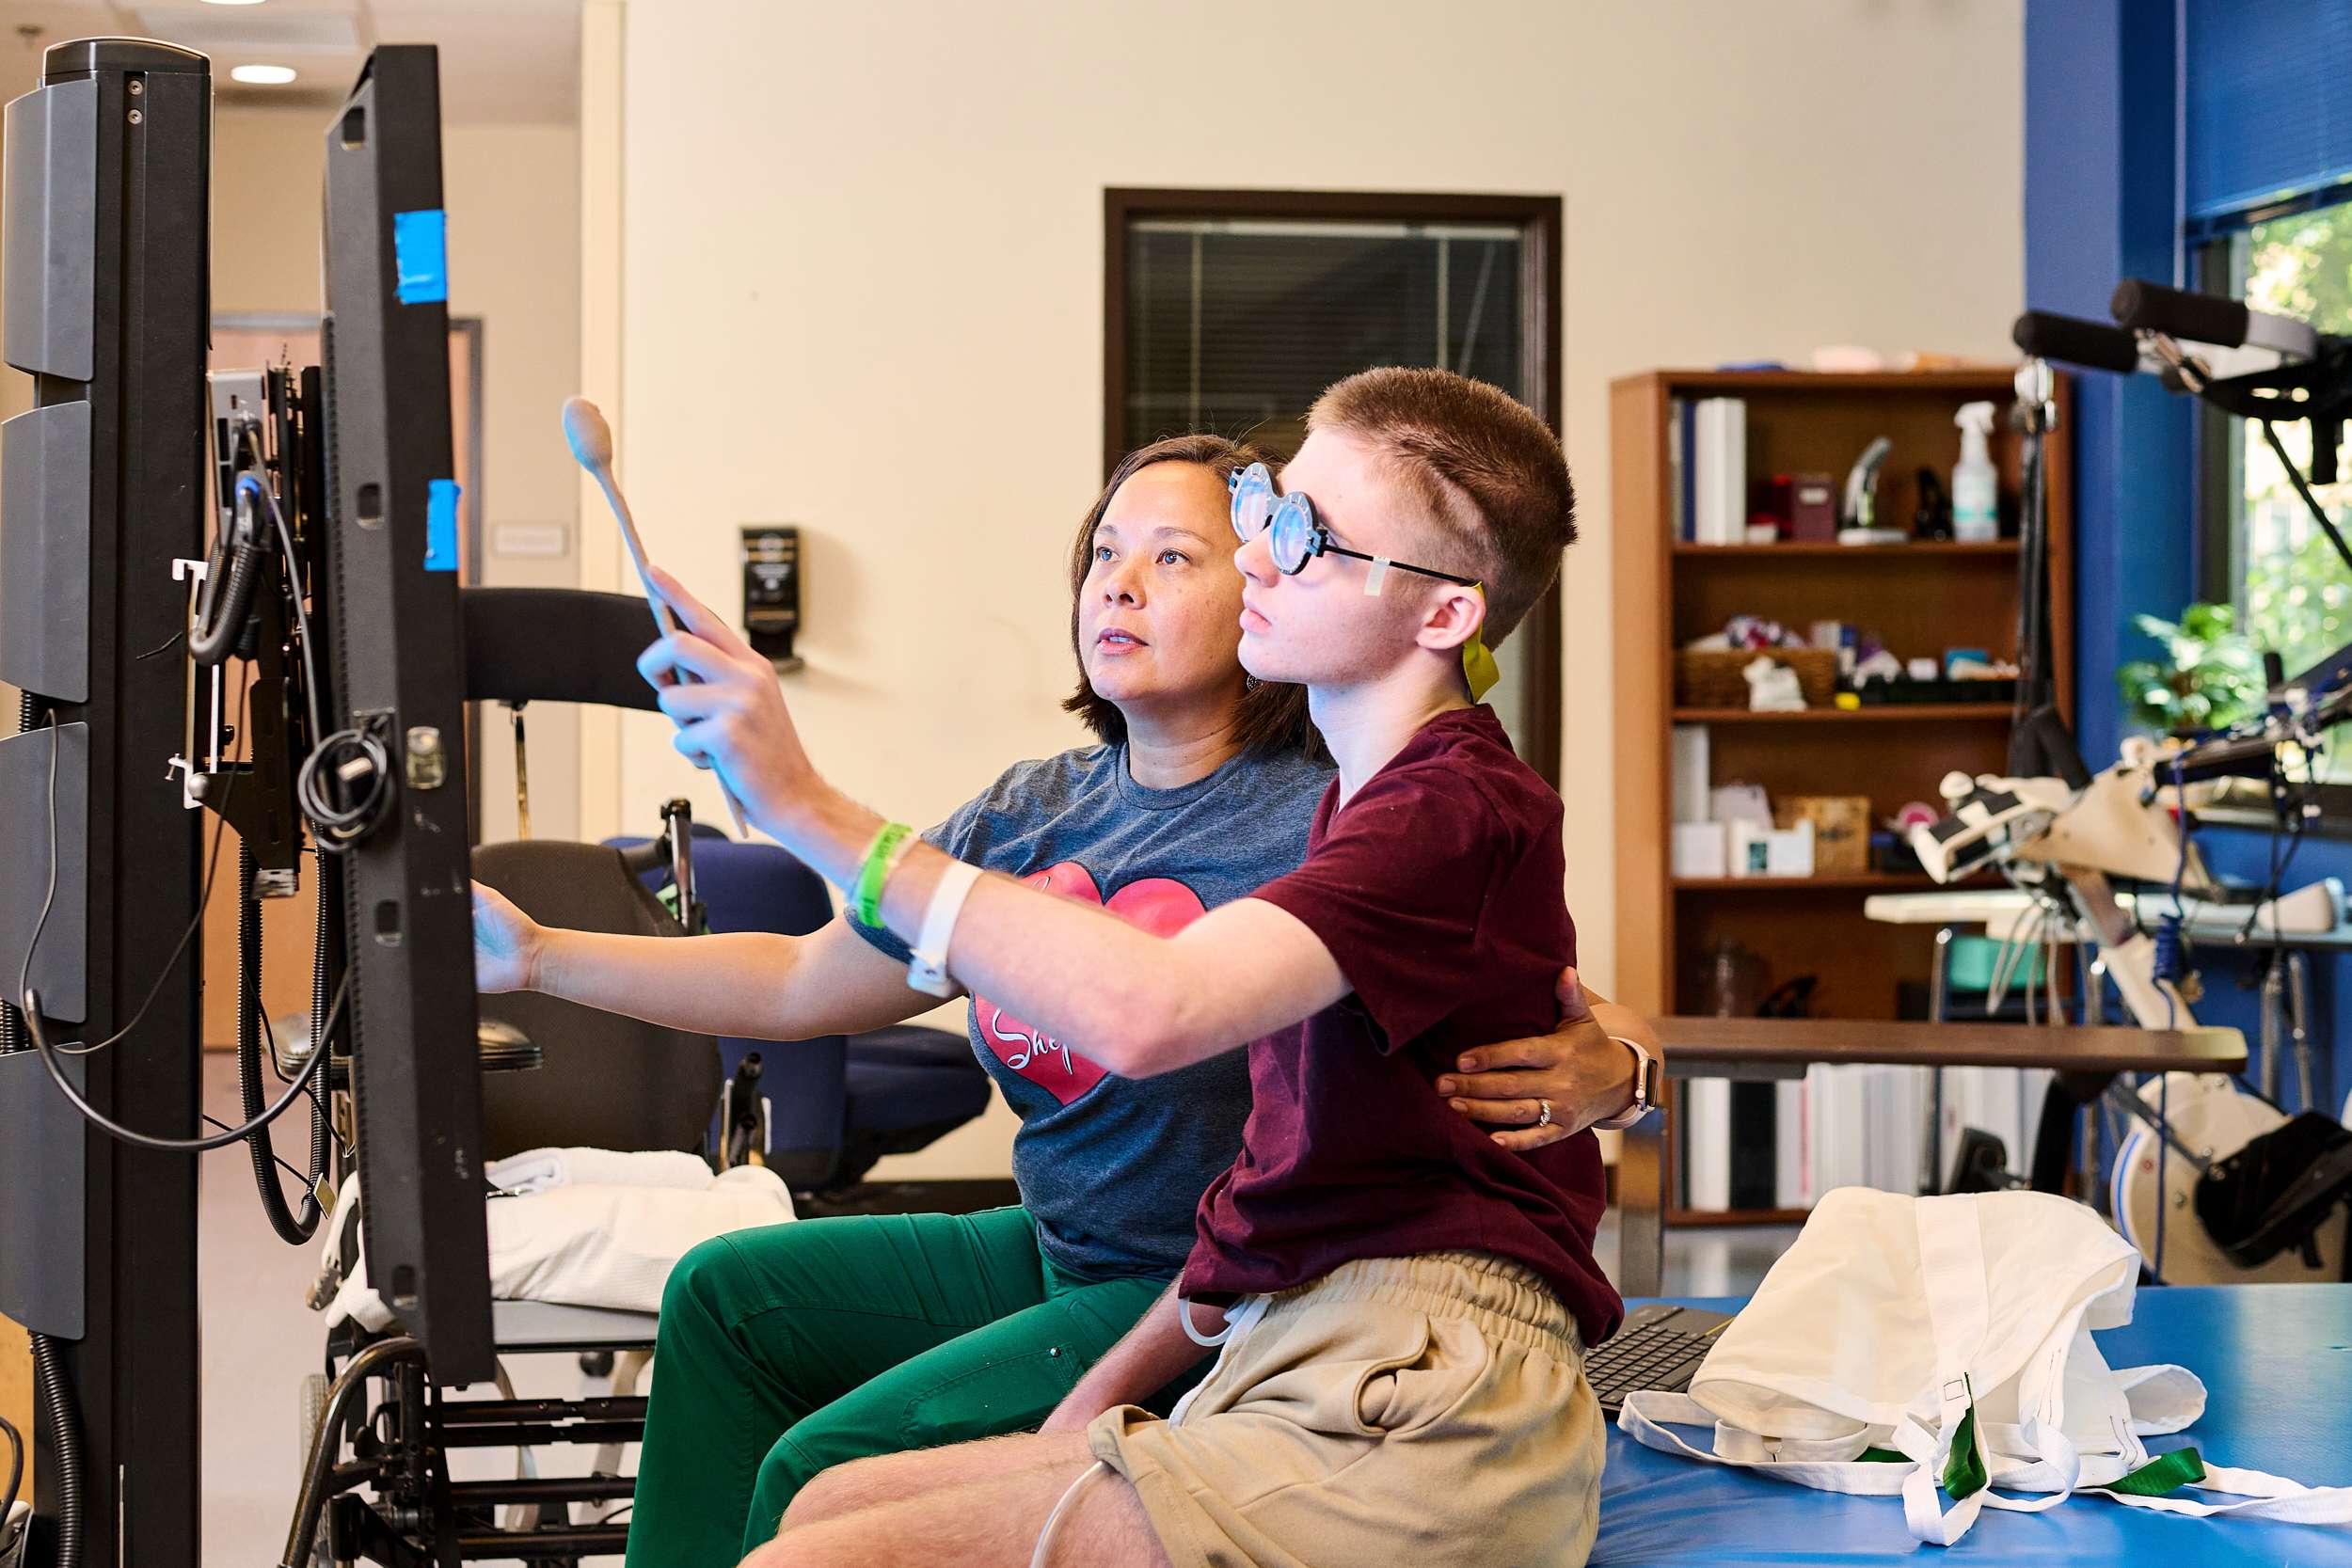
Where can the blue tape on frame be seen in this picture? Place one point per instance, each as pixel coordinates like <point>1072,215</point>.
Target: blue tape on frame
<point>421,256</point>
<point>440,525</point>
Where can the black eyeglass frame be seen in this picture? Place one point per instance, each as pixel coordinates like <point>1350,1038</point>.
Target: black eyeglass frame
<point>1319,541</point>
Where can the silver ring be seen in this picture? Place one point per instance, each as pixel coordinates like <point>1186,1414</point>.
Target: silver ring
<point>1544,1120</point>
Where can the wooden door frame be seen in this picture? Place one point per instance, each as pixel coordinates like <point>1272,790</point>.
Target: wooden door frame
<point>1538,218</point>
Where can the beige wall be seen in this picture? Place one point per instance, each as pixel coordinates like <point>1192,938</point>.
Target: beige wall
<point>861,291</point>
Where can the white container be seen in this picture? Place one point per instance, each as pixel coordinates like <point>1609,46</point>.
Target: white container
<point>1976,488</point>
<point>1700,850</point>
<point>1764,852</point>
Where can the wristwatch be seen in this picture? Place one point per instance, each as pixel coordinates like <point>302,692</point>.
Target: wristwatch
<point>1644,1090</point>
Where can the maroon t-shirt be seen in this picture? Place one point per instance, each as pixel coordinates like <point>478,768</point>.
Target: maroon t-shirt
<point>1437,889</point>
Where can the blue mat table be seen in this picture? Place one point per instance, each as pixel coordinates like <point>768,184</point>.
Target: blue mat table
<point>2277,1365</point>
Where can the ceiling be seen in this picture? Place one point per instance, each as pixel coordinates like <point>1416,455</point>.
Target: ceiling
<point>501,61</point>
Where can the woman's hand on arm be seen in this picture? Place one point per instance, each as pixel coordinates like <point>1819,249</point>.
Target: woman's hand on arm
<point>755,984</point>
<point>1146,1359</point>
<point>1585,1072</point>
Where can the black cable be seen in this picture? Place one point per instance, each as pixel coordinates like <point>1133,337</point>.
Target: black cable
<point>2319,512</point>
<point>11,1026</point>
<point>336,827</point>
<point>30,1005</point>
<point>16,1471</point>
<point>220,618</point>
<point>160,649</point>
<point>293,1229</point>
<point>211,1121</point>
<point>147,1140</point>
<point>56,1395</point>
<point>203,902</point>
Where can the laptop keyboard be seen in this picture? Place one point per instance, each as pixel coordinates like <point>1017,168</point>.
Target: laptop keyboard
<point>1654,1356</point>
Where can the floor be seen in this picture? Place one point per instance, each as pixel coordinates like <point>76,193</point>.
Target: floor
<point>260,1340</point>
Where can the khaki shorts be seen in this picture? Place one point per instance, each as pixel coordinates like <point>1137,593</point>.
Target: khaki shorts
<point>1426,1411</point>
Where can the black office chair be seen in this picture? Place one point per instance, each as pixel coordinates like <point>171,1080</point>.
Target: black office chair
<point>608,1081</point>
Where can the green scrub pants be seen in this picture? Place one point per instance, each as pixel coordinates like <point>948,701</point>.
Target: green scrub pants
<point>792,1348</point>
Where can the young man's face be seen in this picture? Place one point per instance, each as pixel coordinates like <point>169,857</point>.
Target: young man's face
<point>1320,627</point>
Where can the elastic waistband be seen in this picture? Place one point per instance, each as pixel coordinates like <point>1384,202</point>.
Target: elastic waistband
<point>1507,1301</point>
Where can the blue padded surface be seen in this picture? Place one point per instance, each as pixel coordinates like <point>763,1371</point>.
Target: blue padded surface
<point>2277,1364</point>
<point>908,1075</point>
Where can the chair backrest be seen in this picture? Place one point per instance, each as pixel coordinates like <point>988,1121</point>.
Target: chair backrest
<point>609,1081</point>
<point>556,645</point>
<point>763,887</point>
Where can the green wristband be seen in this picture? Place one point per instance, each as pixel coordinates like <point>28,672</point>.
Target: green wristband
<point>880,855</point>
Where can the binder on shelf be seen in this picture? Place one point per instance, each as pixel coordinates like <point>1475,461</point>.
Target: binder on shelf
<point>1692,778</point>
<point>1708,1101</point>
<point>1716,457</point>
<point>1755,1151</point>
<point>1678,465</point>
<point>1792,1146</point>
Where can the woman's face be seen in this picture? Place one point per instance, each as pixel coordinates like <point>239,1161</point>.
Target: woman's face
<point>1159,614</point>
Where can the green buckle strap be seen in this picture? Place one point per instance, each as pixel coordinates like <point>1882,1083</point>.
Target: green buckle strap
<point>1964,1468</point>
<point>2167,1472</point>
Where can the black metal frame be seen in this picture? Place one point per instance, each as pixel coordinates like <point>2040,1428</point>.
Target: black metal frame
<point>127,1353</point>
<point>399,671</point>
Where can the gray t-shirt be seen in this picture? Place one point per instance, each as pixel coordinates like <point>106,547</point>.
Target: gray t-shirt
<point>1113,1169</point>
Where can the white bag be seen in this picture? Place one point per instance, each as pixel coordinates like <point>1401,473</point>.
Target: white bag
<point>1954,1332</point>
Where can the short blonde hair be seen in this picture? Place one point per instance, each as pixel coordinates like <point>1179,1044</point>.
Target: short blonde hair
<point>1490,473</point>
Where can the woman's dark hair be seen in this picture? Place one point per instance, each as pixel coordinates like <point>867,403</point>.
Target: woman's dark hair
<point>1271,716</point>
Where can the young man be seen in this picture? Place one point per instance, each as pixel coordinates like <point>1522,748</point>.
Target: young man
<point>1407,1302</point>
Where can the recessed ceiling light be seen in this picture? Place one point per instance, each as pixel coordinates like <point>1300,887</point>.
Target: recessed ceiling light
<point>263,75</point>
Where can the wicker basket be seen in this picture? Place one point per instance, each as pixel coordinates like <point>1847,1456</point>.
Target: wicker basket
<point>1841,829</point>
<point>1710,677</point>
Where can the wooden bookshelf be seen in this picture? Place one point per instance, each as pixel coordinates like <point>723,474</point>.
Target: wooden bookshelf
<point>1922,597</point>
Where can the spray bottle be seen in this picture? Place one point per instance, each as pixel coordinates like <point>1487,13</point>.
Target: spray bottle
<point>1975,489</point>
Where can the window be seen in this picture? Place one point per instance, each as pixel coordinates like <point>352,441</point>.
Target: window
<point>2293,590</point>
<point>1229,311</point>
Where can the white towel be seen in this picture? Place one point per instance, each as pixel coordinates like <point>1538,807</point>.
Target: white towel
<point>614,1246</point>
<point>535,1170</point>
<point>587,1245</point>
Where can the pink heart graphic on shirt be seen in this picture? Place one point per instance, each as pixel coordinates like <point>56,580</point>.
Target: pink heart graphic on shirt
<point>1159,904</point>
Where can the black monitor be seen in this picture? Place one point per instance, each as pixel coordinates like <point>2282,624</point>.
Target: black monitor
<point>397,684</point>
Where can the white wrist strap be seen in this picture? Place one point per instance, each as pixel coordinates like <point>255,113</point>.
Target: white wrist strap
<point>929,971</point>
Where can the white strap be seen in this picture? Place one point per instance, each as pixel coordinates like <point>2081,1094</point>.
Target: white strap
<point>2258,1495</point>
<point>929,971</point>
<point>1375,578</point>
<point>1240,1319</point>
<point>1952,1271</point>
<point>2252,1493</point>
<point>1246,1310</point>
<point>1643,1414</point>
<point>1045,1536</point>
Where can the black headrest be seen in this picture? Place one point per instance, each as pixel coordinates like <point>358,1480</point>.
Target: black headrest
<point>556,645</point>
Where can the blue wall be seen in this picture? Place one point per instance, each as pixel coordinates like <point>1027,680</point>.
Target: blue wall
<point>2101,204</point>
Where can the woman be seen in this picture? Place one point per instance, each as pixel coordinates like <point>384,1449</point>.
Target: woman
<point>788,1350</point>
